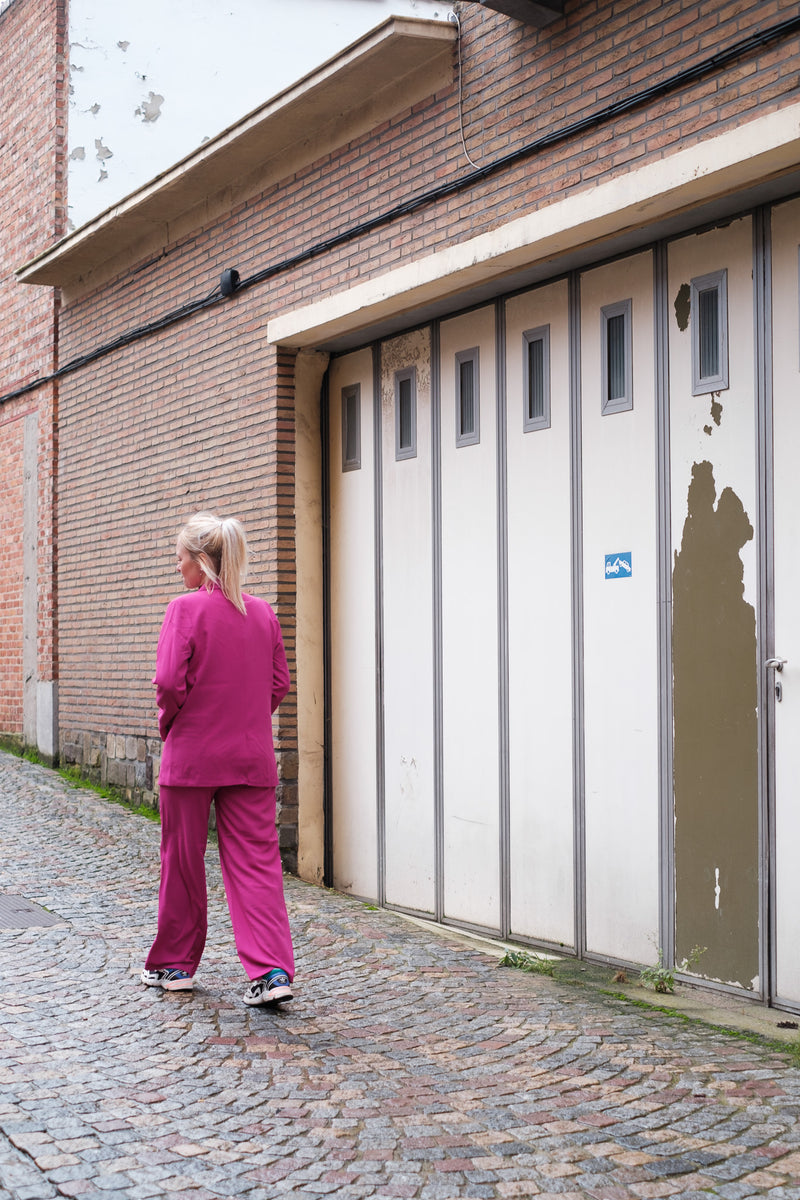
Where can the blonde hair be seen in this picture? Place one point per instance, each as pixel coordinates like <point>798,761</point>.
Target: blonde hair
<point>219,547</point>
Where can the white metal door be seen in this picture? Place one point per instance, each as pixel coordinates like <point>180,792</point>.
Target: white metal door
<point>714,600</point>
<point>620,610</point>
<point>786,476</point>
<point>469,559</point>
<point>353,607</point>
<point>408,622</point>
<point>541,853</point>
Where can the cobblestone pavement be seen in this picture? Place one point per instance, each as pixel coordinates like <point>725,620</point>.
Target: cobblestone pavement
<point>408,1065</point>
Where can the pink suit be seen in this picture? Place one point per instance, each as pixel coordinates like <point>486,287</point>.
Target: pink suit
<point>220,675</point>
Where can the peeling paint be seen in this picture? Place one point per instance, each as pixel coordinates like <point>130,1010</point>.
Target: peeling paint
<point>716,409</point>
<point>707,429</point>
<point>118,57</point>
<point>716,736</point>
<point>94,110</point>
<point>103,152</point>
<point>103,175</point>
<point>682,306</point>
<point>78,154</point>
<point>150,109</point>
<point>407,350</point>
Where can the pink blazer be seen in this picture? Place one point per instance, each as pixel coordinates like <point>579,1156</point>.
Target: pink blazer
<point>220,675</point>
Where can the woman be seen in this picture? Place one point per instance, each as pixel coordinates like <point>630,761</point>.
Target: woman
<point>221,672</point>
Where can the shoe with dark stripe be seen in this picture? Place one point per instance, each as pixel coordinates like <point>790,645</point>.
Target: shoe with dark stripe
<point>171,979</point>
<point>269,990</point>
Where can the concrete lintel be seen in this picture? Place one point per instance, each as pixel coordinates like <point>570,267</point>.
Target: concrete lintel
<point>765,147</point>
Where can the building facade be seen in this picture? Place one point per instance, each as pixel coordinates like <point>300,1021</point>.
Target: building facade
<point>499,366</point>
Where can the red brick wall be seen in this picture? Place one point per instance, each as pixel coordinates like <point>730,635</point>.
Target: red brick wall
<point>200,415</point>
<point>11,444</point>
<point>33,136</point>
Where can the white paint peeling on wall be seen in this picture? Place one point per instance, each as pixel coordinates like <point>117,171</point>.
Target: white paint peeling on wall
<point>150,82</point>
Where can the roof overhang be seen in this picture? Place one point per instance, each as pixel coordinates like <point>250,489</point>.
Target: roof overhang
<point>757,161</point>
<point>532,12</point>
<point>397,64</point>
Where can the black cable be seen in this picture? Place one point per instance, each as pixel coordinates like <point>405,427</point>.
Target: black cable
<point>124,339</point>
<point>721,59</point>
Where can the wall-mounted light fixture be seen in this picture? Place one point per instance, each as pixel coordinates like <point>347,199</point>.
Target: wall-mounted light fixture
<point>229,282</point>
<point>530,12</point>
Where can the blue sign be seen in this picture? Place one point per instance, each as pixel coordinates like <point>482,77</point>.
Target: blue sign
<point>619,566</point>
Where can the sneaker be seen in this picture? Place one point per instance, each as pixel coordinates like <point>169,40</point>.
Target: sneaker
<point>269,990</point>
<point>171,979</point>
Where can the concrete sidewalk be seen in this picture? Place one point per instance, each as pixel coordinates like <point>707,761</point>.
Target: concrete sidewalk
<point>408,1065</point>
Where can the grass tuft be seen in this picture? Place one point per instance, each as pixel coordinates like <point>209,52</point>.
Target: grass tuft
<point>533,963</point>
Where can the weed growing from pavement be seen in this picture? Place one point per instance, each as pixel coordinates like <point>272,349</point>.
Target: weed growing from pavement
<point>532,963</point>
<point>662,978</point>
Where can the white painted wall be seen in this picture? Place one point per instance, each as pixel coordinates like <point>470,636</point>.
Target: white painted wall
<point>150,82</point>
<point>540,632</point>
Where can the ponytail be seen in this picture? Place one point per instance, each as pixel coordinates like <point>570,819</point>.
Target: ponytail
<point>219,547</point>
<point>233,567</point>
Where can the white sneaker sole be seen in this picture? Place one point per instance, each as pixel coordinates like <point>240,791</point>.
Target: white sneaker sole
<point>276,995</point>
<point>150,979</point>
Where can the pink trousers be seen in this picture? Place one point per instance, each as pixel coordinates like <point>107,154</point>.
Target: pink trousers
<point>251,872</point>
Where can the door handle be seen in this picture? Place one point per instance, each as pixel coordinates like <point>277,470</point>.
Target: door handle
<point>777,663</point>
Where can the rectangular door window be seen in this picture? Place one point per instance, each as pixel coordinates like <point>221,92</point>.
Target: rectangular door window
<point>467,398</point>
<point>709,319</point>
<point>405,413</point>
<point>617,357</point>
<point>351,427</point>
<point>536,379</point>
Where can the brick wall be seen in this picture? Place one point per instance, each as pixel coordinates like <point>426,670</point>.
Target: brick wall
<point>198,418</point>
<point>33,137</point>
<point>200,414</point>
<point>11,552</point>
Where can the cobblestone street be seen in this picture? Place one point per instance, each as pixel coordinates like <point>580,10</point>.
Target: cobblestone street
<point>407,1066</point>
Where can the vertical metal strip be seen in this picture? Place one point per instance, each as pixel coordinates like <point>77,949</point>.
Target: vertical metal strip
<point>436,543</point>
<point>327,768</point>
<point>502,618</point>
<point>380,733</point>
<point>765,628</point>
<point>576,522</point>
<point>30,582</point>
<point>666,832</point>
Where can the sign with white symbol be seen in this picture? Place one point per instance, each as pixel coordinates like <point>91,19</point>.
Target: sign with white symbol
<point>619,566</point>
